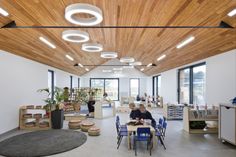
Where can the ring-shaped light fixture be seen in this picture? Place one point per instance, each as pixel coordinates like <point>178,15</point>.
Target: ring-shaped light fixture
<point>92,47</point>
<point>108,54</point>
<point>83,8</point>
<point>126,60</point>
<point>75,36</point>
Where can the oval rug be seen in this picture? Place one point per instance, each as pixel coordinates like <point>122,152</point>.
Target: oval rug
<point>42,143</point>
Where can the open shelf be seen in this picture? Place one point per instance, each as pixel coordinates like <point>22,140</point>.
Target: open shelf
<point>37,120</point>
<point>191,115</point>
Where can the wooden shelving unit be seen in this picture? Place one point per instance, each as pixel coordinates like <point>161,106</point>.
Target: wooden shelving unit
<point>191,115</point>
<point>35,120</point>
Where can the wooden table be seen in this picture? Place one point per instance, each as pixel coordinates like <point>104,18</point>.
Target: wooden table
<point>132,129</point>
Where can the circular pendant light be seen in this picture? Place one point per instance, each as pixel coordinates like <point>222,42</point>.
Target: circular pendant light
<point>75,36</point>
<point>127,60</point>
<point>92,47</point>
<point>83,8</point>
<point>108,54</point>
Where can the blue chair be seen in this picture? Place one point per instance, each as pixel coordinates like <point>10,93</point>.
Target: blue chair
<point>160,138</point>
<point>163,129</point>
<point>120,134</point>
<point>122,127</point>
<point>143,135</point>
<point>160,122</point>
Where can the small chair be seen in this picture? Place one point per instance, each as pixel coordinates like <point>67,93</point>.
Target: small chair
<point>163,129</point>
<point>120,134</point>
<point>160,122</point>
<point>122,127</point>
<point>160,138</point>
<point>143,134</point>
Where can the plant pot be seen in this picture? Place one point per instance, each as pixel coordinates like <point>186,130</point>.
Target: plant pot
<point>57,119</point>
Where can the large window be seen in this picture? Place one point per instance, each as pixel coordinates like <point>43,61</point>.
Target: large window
<point>156,86</point>
<point>134,87</point>
<point>108,85</point>
<point>51,82</point>
<point>192,82</point>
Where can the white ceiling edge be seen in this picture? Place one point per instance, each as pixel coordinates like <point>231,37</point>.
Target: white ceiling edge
<point>126,73</point>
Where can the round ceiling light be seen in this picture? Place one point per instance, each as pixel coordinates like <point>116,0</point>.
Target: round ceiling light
<point>75,36</point>
<point>108,54</point>
<point>135,63</point>
<point>92,47</point>
<point>83,8</point>
<point>127,60</point>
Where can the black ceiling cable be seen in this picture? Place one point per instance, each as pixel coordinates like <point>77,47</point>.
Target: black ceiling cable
<point>12,25</point>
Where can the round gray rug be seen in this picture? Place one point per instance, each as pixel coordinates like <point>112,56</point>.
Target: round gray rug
<point>42,143</point>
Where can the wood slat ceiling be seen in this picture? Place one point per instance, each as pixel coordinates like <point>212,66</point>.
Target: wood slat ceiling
<point>144,44</point>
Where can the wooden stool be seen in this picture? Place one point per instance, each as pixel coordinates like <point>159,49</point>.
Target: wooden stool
<point>74,124</point>
<point>86,125</point>
<point>94,131</point>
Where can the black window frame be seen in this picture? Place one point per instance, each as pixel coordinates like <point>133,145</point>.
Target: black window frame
<point>191,67</point>
<point>71,83</point>
<point>52,83</point>
<point>138,86</point>
<point>105,87</point>
<point>153,85</point>
<point>78,82</point>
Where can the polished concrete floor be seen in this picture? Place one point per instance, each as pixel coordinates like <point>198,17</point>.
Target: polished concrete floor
<point>178,142</point>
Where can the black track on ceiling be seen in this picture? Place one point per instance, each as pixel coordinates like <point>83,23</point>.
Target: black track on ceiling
<point>153,65</point>
<point>12,25</point>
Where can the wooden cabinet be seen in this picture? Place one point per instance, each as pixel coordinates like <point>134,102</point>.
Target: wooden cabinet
<point>227,121</point>
<point>34,118</point>
<point>191,115</point>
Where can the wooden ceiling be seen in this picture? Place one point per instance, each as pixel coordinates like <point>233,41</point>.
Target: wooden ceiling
<point>144,44</point>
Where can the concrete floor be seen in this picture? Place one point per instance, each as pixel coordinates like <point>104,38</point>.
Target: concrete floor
<point>178,142</point>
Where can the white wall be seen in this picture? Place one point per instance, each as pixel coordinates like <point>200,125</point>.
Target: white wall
<point>20,79</point>
<point>220,79</point>
<point>124,77</point>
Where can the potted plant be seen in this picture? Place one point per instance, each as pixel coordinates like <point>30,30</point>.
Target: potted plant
<point>55,106</point>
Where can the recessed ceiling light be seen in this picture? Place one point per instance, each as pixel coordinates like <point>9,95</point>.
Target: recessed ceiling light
<point>81,65</point>
<point>107,71</point>
<point>185,42</point>
<point>47,42</point>
<point>117,69</point>
<point>86,69</point>
<point>83,8</point>
<point>142,69</point>
<point>75,36</point>
<point>161,57</point>
<point>3,12</point>
<point>135,63</point>
<point>127,60</point>
<point>92,47</point>
<point>128,67</point>
<point>232,13</point>
<point>69,57</point>
<point>150,64</point>
<point>108,54</point>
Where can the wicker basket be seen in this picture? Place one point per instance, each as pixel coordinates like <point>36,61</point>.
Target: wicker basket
<point>94,131</point>
<point>86,125</point>
<point>74,124</point>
